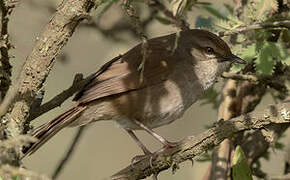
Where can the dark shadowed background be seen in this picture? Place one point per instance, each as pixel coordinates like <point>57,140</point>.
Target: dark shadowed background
<point>105,148</point>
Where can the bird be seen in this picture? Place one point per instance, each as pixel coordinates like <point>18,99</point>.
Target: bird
<point>177,69</point>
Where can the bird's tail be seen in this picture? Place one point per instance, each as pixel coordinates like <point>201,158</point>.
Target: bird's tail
<point>46,131</point>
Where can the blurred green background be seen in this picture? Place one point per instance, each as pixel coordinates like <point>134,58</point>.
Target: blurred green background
<point>105,148</point>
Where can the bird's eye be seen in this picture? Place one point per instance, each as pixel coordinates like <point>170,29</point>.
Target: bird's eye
<point>209,50</point>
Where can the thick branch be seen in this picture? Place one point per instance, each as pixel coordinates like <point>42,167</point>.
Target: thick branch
<point>194,146</point>
<point>242,29</point>
<point>40,61</point>
<point>6,8</point>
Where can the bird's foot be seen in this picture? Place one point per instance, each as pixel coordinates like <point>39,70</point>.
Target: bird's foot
<point>152,156</point>
<point>139,158</point>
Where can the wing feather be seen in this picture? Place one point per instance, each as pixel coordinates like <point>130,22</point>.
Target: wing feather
<point>121,74</point>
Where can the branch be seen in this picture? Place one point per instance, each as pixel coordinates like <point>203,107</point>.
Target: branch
<point>221,157</point>
<point>155,4</point>
<point>242,29</point>
<point>269,80</point>
<point>194,146</point>
<point>41,60</point>
<point>71,149</point>
<point>6,8</point>
<point>78,83</point>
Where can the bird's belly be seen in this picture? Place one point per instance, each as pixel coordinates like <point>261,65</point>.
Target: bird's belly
<point>161,105</point>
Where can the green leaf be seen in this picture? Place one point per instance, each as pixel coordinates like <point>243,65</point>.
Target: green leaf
<point>262,8</point>
<point>249,52</point>
<point>265,59</point>
<point>16,178</point>
<point>231,23</point>
<point>287,60</point>
<point>241,169</point>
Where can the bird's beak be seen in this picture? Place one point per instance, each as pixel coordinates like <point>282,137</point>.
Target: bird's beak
<point>237,59</point>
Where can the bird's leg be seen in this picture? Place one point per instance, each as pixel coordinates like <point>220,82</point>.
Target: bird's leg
<point>165,143</point>
<point>144,149</point>
<point>140,144</point>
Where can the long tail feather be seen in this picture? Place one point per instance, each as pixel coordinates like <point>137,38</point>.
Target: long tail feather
<point>46,131</point>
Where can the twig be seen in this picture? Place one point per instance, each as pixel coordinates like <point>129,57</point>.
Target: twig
<point>242,29</point>
<point>194,146</point>
<point>78,83</point>
<point>287,160</point>
<point>247,77</point>
<point>70,152</point>
<point>120,27</point>
<point>282,177</point>
<point>137,24</point>
<point>266,79</point>
<point>182,24</point>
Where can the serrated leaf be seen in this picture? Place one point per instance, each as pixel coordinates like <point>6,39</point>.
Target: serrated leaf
<point>235,20</point>
<point>262,8</point>
<point>249,52</point>
<point>265,62</point>
<point>229,24</point>
<point>226,25</point>
<point>268,52</point>
<point>241,169</point>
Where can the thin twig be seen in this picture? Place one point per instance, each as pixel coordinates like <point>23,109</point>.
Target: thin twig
<point>120,27</point>
<point>78,84</point>
<point>194,146</point>
<point>245,77</point>
<point>242,29</point>
<point>69,153</point>
<point>156,4</point>
<point>131,12</point>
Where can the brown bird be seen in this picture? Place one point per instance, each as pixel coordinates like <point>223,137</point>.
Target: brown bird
<point>177,70</point>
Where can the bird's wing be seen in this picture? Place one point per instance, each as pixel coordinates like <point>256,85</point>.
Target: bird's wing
<point>122,74</point>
